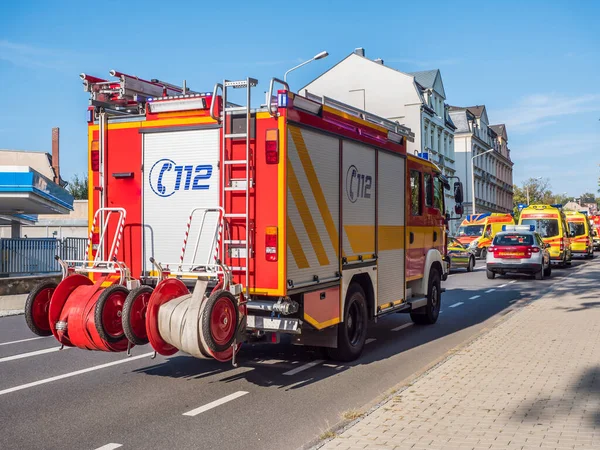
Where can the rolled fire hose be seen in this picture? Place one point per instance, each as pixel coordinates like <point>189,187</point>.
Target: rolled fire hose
<point>180,323</point>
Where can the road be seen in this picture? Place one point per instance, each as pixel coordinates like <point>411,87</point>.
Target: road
<point>280,396</point>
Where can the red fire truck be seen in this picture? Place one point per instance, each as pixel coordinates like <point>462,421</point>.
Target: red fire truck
<point>307,214</point>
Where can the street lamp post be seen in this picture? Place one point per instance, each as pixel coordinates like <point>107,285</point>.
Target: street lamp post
<point>321,55</point>
<point>473,178</point>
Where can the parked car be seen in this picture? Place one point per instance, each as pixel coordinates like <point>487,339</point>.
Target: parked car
<point>460,256</point>
<point>518,249</point>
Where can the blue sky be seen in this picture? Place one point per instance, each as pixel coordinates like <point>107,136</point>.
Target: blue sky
<point>535,65</point>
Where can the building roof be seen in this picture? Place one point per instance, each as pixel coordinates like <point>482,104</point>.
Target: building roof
<point>39,161</point>
<point>425,78</point>
<point>477,110</point>
<point>500,130</point>
<point>459,118</point>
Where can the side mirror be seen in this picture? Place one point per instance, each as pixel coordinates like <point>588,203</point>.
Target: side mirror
<point>458,192</point>
<point>572,234</point>
<point>458,209</point>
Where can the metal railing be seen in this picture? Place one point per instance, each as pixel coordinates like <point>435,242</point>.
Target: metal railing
<point>26,256</point>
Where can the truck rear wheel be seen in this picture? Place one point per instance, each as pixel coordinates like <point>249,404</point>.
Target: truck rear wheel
<point>428,314</point>
<point>352,332</point>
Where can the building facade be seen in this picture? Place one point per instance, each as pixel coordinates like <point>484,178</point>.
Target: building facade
<point>493,183</point>
<point>416,100</point>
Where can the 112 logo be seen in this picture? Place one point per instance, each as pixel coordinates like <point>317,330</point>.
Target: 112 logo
<point>166,177</point>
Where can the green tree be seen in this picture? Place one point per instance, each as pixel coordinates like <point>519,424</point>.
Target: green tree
<point>78,187</point>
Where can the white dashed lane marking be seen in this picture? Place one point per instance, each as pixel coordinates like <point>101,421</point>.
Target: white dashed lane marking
<point>503,285</point>
<point>456,304</point>
<point>368,341</point>
<point>513,281</point>
<point>211,405</point>
<point>23,340</point>
<point>72,374</point>
<point>475,297</point>
<point>304,367</point>
<point>110,447</point>
<point>402,327</point>
<point>27,355</point>
<point>489,290</point>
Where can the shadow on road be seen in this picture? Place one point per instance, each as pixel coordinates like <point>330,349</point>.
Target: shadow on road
<point>266,364</point>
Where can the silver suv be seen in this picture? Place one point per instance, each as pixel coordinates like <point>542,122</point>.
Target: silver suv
<point>518,249</point>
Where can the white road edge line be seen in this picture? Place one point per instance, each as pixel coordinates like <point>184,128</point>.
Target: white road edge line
<point>402,327</point>
<point>456,304</point>
<point>110,447</point>
<point>27,355</point>
<point>23,340</point>
<point>72,374</point>
<point>211,405</point>
<point>304,367</point>
<point>368,341</point>
<point>503,285</point>
<point>489,290</point>
<point>475,297</point>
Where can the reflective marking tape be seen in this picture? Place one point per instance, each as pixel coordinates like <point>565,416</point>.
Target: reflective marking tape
<point>475,297</point>
<point>72,374</point>
<point>109,447</point>
<point>402,327</point>
<point>456,304</point>
<point>211,405</point>
<point>24,340</point>
<point>304,367</point>
<point>489,290</point>
<point>368,341</point>
<point>27,355</point>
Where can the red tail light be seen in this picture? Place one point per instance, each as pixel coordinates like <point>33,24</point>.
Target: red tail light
<point>95,242</point>
<point>491,249</point>
<point>271,243</point>
<point>535,249</point>
<point>95,156</point>
<point>272,147</point>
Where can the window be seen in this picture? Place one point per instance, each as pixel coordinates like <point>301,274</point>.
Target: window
<point>428,189</point>
<point>513,239</point>
<point>415,193</point>
<point>577,228</point>
<point>438,195</point>
<point>545,227</point>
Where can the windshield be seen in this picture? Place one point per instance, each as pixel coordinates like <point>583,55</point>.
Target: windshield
<point>470,230</point>
<point>546,227</point>
<point>577,228</point>
<point>513,239</point>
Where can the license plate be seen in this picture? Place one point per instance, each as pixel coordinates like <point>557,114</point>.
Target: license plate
<point>511,254</point>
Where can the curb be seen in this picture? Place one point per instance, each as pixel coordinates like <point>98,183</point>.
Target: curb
<point>378,402</point>
<point>11,312</point>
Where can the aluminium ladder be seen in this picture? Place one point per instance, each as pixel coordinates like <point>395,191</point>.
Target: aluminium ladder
<point>237,248</point>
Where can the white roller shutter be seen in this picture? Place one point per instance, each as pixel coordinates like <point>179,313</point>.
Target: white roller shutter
<point>180,173</point>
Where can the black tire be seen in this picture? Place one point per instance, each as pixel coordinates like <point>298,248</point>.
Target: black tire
<point>352,332</point>
<point>134,296</point>
<point>490,275</point>
<point>211,302</point>
<point>471,264</point>
<point>548,270</point>
<point>539,275</point>
<point>428,314</point>
<point>483,254</point>
<point>100,305</point>
<point>31,318</point>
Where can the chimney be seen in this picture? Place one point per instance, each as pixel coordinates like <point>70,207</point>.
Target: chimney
<point>359,51</point>
<point>55,154</point>
<point>379,61</point>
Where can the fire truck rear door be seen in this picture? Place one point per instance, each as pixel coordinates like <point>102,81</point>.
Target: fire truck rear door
<point>180,173</point>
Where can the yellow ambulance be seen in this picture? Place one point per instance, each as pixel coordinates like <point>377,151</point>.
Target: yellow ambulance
<point>477,231</point>
<point>550,222</point>
<point>580,232</point>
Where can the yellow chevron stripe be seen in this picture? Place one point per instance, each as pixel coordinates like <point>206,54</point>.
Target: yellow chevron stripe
<point>295,246</point>
<point>315,186</point>
<point>307,220</point>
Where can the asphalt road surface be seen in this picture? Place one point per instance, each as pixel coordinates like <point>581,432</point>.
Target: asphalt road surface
<point>280,396</point>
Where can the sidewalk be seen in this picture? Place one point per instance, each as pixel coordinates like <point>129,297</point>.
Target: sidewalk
<point>11,305</point>
<point>531,382</point>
